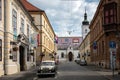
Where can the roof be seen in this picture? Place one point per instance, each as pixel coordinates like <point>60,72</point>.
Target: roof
<point>29,6</point>
<point>48,61</point>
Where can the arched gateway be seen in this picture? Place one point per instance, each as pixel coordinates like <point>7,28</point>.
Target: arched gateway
<point>70,56</point>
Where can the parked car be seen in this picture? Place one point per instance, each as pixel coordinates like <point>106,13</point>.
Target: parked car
<point>47,68</point>
<point>77,60</point>
<point>83,62</point>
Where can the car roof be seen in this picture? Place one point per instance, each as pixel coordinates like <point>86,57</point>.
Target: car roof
<point>48,61</point>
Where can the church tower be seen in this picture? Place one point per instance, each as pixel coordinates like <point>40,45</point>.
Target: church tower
<point>85,26</point>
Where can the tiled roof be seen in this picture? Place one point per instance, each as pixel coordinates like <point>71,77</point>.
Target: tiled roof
<point>29,6</point>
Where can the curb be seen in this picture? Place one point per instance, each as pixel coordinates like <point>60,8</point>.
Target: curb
<point>108,78</point>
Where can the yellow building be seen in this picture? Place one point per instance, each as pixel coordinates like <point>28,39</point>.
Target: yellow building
<point>47,48</point>
<point>85,45</point>
<point>17,53</point>
<point>84,49</point>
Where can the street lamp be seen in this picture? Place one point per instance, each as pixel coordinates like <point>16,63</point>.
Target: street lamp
<point>32,51</point>
<point>42,55</point>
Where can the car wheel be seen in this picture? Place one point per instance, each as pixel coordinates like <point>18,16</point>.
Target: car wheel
<point>39,76</point>
<point>53,75</point>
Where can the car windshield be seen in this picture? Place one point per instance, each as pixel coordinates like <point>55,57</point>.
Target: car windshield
<point>47,63</point>
<point>82,60</point>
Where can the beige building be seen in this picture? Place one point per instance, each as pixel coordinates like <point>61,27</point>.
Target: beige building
<point>47,48</point>
<point>84,49</point>
<point>17,49</point>
<point>1,37</point>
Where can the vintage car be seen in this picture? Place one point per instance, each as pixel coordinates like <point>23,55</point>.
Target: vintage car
<point>47,68</point>
<point>83,63</point>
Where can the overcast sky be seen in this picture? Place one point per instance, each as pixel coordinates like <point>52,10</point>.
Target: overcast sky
<point>67,15</point>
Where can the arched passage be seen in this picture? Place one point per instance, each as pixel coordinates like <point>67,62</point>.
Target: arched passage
<point>22,58</point>
<point>70,56</point>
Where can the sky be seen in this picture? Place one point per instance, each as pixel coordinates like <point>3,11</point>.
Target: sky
<point>66,16</point>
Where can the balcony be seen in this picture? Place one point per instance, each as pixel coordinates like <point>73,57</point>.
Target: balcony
<point>110,27</point>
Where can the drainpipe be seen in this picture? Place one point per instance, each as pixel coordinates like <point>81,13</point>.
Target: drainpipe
<point>4,36</point>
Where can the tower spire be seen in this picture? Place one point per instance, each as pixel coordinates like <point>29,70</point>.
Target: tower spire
<point>85,22</point>
<point>85,15</point>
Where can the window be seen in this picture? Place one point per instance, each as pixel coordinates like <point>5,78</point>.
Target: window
<point>62,55</point>
<point>28,55</point>
<point>14,24</point>
<point>106,20</point>
<point>106,13</point>
<point>110,13</point>
<point>14,54</point>
<point>85,30</point>
<point>0,9</point>
<point>0,50</point>
<point>22,25</point>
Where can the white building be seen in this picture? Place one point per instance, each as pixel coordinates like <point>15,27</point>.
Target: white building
<point>85,26</point>
<point>18,51</point>
<point>68,48</point>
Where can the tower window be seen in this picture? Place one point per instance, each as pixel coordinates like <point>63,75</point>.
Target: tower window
<point>85,30</point>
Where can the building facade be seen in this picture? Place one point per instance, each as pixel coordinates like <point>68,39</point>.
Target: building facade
<point>84,49</point>
<point>17,46</point>
<point>46,49</point>
<point>105,34</point>
<point>68,48</point>
<point>1,37</point>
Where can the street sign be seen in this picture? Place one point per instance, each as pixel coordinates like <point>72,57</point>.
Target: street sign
<point>95,45</point>
<point>112,44</point>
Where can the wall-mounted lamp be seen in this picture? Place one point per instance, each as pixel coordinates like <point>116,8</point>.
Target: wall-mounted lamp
<point>32,51</point>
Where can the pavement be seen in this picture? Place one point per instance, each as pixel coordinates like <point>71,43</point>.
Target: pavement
<point>17,75</point>
<point>108,74</point>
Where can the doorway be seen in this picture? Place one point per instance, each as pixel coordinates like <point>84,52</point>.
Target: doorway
<point>70,56</point>
<point>22,58</point>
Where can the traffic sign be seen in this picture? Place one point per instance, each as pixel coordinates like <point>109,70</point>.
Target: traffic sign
<point>112,44</point>
<point>95,45</point>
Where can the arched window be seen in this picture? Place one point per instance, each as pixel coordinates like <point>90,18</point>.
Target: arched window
<point>62,55</point>
<point>85,30</point>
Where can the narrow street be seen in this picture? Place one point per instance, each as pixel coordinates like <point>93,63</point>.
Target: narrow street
<point>66,71</point>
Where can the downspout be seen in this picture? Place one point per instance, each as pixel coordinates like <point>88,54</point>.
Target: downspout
<point>40,32</point>
<point>4,37</point>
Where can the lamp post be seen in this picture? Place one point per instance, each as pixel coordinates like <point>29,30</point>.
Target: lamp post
<point>55,56</point>
<point>42,55</point>
<point>31,51</point>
